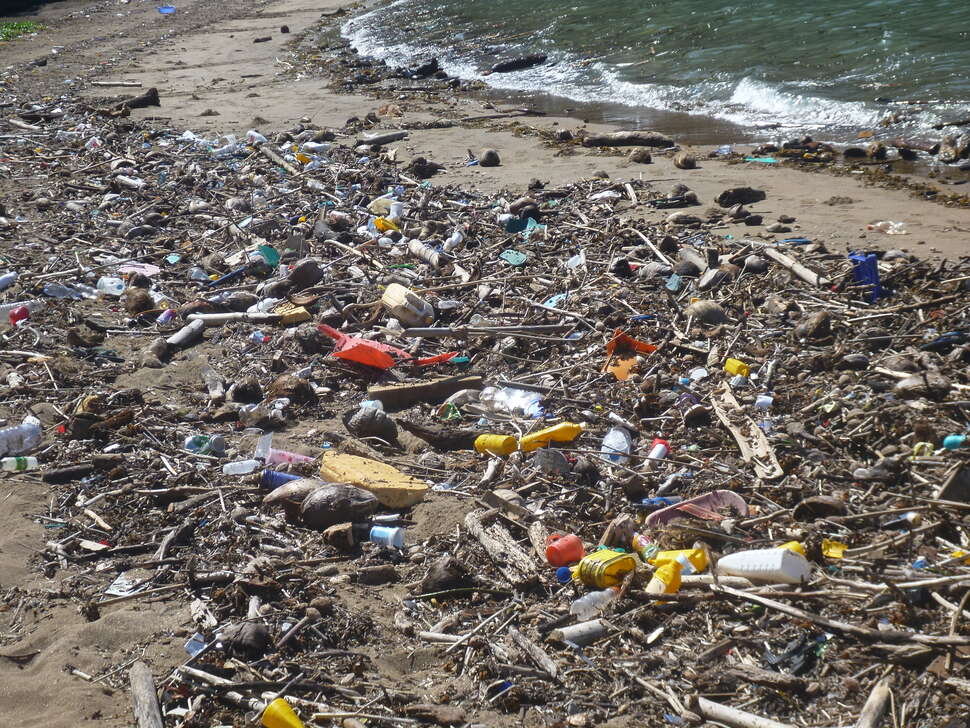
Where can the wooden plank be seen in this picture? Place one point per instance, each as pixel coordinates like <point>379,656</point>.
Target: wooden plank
<point>143,696</point>
<point>395,396</point>
<point>512,562</point>
<point>751,439</point>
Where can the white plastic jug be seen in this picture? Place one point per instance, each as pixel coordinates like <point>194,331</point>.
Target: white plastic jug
<point>406,306</point>
<point>771,566</point>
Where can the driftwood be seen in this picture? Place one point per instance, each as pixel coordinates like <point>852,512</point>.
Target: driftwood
<point>143,696</point>
<point>628,139</point>
<point>149,98</point>
<point>732,716</point>
<point>751,439</point>
<point>535,652</point>
<point>512,562</point>
<point>875,706</point>
<point>379,140</point>
<point>806,274</point>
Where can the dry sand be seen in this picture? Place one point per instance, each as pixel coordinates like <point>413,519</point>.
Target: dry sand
<point>204,58</point>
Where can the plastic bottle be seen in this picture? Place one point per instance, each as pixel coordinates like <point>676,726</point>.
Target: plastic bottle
<point>265,451</point>
<point>274,478</point>
<point>658,451</point>
<point>782,565</point>
<point>512,401</point>
<point>31,306</point>
<point>205,444</point>
<point>691,560</point>
<point>406,306</point>
<point>241,467</point>
<point>8,279</point>
<point>18,439</point>
<point>254,137</point>
<point>644,547</point>
<point>454,241</point>
<point>666,579</point>
<point>496,444</point>
<point>617,445</point>
<point>19,314</point>
<point>18,464</point>
<point>111,286</point>
<point>196,273</point>
<point>589,605</point>
<point>563,432</point>
<point>564,549</point>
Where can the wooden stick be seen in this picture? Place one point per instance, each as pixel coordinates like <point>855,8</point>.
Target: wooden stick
<point>806,274</point>
<point>732,716</point>
<point>277,159</point>
<point>143,696</point>
<point>875,706</point>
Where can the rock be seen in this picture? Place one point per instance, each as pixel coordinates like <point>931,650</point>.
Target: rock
<point>311,341</point>
<point>687,269</point>
<point>854,153</point>
<point>246,391</point>
<point>376,575</point>
<point>855,362</point>
<point>738,212</point>
<point>489,158</point>
<point>678,189</point>
<point>755,264</point>
<point>786,219</point>
<point>305,273</point>
<point>423,168</point>
<point>778,228</point>
<point>931,385</point>
<point>816,326</point>
<point>520,63</point>
<point>819,506</point>
<point>138,300</point>
<point>685,160</point>
<point>294,388</point>
<point>564,135</point>
<point>425,69</point>
<point>640,155</point>
<point>337,503</point>
<point>876,150</point>
<point>628,139</point>
<point>249,639</point>
<point>752,220</point>
<point>445,573</point>
<point>438,714</point>
<point>708,312</point>
<point>683,218</point>
<point>372,422</point>
<point>290,496</point>
<point>743,195</point>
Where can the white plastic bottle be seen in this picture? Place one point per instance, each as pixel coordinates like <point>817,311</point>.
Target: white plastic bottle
<point>241,467</point>
<point>21,438</point>
<point>111,286</point>
<point>589,605</point>
<point>18,464</point>
<point>617,445</point>
<point>782,565</point>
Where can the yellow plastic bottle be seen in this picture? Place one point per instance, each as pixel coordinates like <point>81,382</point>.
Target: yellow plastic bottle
<point>736,366</point>
<point>563,432</point>
<point>666,579</point>
<point>495,444</point>
<point>696,557</point>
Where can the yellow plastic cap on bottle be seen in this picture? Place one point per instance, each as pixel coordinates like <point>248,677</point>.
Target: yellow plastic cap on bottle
<point>736,366</point>
<point>666,579</point>
<point>794,546</point>
<point>279,714</point>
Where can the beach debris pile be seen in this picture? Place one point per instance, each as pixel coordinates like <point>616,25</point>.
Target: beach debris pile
<point>408,453</point>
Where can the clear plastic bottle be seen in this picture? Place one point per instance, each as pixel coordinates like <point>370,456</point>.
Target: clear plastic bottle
<point>241,467</point>
<point>31,306</point>
<point>18,464</point>
<point>617,445</point>
<point>512,401</point>
<point>589,605</point>
<point>21,438</point>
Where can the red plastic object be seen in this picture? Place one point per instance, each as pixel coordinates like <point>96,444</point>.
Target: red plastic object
<point>564,549</point>
<point>21,313</point>
<point>374,353</point>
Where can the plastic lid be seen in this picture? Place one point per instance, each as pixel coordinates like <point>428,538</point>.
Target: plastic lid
<point>564,575</point>
<point>660,441</point>
<point>793,546</point>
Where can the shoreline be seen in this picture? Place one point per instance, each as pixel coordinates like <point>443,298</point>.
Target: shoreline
<point>202,63</point>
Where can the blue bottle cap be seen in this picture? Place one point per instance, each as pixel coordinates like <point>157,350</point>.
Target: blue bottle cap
<point>564,575</point>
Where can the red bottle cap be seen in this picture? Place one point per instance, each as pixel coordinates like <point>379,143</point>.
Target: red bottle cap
<point>660,441</point>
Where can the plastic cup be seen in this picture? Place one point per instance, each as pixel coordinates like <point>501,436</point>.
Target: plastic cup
<point>562,550</point>
<point>279,714</point>
<point>274,478</point>
<point>387,536</point>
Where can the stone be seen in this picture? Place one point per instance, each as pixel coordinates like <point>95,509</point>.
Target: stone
<point>640,155</point>
<point>778,228</point>
<point>743,195</point>
<point>489,158</point>
<point>685,160</point>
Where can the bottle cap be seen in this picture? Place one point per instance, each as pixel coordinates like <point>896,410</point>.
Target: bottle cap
<point>564,575</point>
<point>660,441</point>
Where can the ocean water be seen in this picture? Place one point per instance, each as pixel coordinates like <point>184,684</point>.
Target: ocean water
<point>828,67</point>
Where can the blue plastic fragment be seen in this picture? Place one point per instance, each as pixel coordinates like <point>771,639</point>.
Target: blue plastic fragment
<point>865,270</point>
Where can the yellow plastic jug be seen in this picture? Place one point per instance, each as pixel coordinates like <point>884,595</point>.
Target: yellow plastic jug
<point>604,568</point>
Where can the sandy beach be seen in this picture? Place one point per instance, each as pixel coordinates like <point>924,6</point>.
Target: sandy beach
<point>213,78</point>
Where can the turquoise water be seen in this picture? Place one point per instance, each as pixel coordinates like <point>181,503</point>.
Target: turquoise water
<point>828,66</point>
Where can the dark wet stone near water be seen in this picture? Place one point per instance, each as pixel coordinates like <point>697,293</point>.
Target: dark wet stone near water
<point>489,158</point>
<point>743,195</point>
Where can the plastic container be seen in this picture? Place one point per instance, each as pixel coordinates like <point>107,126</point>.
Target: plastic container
<point>8,279</point>
<point>783,565</point>
<point>274,478</point>
<point>564,549</point>
<point>512,401</point>
<point>692,560</point>
<point>32,306</point>
<point>496,444</point>
<point>953,442</point>
<point>19,314</point>
<point>387,536</point>
<point>205,444</point>
<point>737,367</point>
<point>18,464</point>
<point>406,306</point>
<point>589,605</point>
<point>563,432</point>
<point>666,579</point>
<point>604,568</point>
<point>617,445</point>
<point>18,439</point>
<point>644,547</point>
